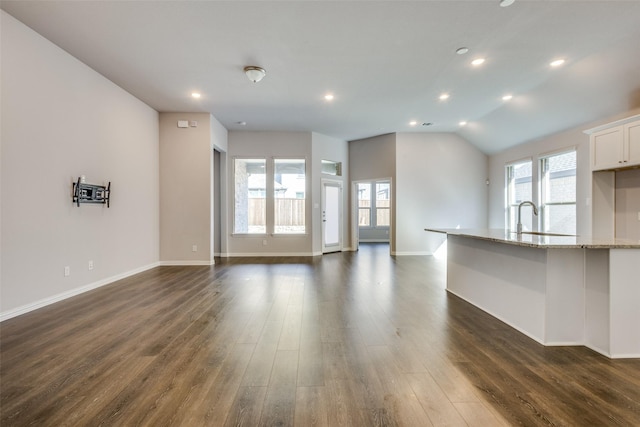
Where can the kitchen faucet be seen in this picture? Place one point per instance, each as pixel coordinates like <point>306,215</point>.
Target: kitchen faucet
<point>535,212</point>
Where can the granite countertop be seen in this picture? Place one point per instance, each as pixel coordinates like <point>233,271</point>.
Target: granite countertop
<point>540,241</point>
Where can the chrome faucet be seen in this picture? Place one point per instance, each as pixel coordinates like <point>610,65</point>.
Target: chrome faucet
<point>535,212</point>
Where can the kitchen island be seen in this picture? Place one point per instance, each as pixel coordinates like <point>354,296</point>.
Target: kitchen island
<point>558,290</point>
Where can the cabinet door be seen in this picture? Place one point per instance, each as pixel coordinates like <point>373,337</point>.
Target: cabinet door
<point>632,143</point>
<point>607,148</point>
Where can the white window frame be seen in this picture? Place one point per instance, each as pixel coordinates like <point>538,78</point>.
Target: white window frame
<point>273,207</point>
<point>543,190</point>
<point>270,196</point>
<point>510,193</point>
<point>373,213</point>
<point>266,165</point>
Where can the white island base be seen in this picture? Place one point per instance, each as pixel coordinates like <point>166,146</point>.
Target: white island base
<point>563,294</point>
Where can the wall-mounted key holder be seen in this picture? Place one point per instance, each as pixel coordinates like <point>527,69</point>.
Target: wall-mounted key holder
<point>90,193</point>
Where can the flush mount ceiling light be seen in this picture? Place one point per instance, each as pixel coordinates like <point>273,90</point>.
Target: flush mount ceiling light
<point>462,123</point>
<point>413,123</point>
<point>506,3</point>
<point>328,97</point>
<point>507,97</point>
<point>444,96</point>
<point>557,62</point>
<point>255,74</point>
<point>462,50</point>
<point>195,95</point>
<point>477,61</point>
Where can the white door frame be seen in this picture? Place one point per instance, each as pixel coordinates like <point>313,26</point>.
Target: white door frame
<point>333,183</point>
<point>355,231</point>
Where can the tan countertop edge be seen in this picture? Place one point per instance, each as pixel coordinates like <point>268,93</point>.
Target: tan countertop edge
<point>543,242</point>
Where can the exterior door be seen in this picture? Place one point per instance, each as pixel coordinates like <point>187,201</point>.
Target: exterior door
<point>331,216</point>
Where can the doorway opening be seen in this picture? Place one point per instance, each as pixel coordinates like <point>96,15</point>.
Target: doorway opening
<point>372,212</point>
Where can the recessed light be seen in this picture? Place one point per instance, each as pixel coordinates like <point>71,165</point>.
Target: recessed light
<point>413,123</point>
<point>462,50</point>
<point>242,123</point>
<point>462,123</point>
<point>506,3</point>
<point>328,97</point>
<point>507,97</point>
<point>557,62</point>
<point>477,61</point>
<point>195,95</point>
<point>444,96</point>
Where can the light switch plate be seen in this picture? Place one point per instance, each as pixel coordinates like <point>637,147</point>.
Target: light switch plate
<point>183,123</point>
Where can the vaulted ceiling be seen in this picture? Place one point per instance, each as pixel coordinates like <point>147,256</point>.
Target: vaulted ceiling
<point>385,62</point>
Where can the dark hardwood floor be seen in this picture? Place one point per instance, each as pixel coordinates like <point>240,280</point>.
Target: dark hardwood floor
<point>347,339</point>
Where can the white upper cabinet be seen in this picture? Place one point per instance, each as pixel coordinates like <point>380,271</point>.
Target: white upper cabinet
<point>616,145</point>
<point>632,138</point>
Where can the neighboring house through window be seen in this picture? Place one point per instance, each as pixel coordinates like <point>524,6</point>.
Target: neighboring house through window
<point>558,193</point>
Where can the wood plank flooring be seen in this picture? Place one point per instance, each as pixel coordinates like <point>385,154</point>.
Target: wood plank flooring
<point>347,339</point>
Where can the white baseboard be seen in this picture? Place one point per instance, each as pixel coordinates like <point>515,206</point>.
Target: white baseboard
<point>422,253</point>
<point>267,254</point>
<point>71,293</point>
<point>193,262</point>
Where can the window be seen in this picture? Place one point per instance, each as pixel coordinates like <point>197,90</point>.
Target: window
<point>330,167</point>
<point>558,193</point>
<point>382,204</point>
<point>364,205</point>
<point>374,211</point>
<point>250,196</point>
<point>519,189</point>
<point>253,195</point>
<point>289,188</point>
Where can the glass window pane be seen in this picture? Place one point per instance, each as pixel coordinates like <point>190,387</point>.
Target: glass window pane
<point>289,189</point>
<point>560,219</point>
<point>331,215</point>
<point>364,204</point>
<point>558,193</point>
<point>382,217</point>
<point>519,189</point>
<point>364,216</point>
<point>382,194</point>
<point>250,196</point>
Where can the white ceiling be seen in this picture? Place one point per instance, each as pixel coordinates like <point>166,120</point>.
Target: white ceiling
<point>386,62</point>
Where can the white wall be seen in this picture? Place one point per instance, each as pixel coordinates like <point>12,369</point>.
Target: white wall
<point>574,137</point>
<point>60,120</point>
<point>269,145</point>
<point>337,150</point>
<point>440,183</point>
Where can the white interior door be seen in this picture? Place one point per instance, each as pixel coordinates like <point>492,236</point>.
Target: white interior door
<point>331,216</point>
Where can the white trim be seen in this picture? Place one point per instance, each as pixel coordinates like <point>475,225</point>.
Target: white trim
<point>612,124</point>
<point>186,262</point>
<point>269,254</point>
<point>420,253</point>
<point>73,292</point>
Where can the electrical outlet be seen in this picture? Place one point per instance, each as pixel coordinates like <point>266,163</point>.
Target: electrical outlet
<point>264,242</point>
<point>67,271</point>
<point>90,264</point>
<point>194,248</point>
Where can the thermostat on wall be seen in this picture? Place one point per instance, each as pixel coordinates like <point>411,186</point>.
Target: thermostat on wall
<point>183,123</point>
